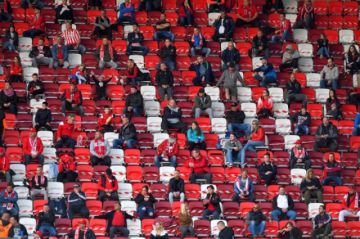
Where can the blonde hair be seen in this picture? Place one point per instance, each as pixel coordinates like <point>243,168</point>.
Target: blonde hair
<point>307,175</point>
<point>183,209</point>
<point>160,228</point>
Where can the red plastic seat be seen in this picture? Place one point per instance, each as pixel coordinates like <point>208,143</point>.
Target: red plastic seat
<point>14,154</point>
<point>339,229</point>
<point>151,174</point>
<point>202,227</point>
<point>354,143</point>
<point>132,156</point>
<point>238,226</point>
<point>192,191</point>
<point>147,226</point>
<point>98,226</point>
<point>90,190</point>
<point>231,210</point>
<point>163,209</point>
<point>217,174</point>
<point>245,208</point>
<point>95,207</point>
<point>159,190</point>
<point>226,191</point>
<point>334,209</point>
<point>63,226</point>
<point>134,173</point>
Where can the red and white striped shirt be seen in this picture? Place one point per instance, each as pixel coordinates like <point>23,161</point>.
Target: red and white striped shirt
<point>71,37</point>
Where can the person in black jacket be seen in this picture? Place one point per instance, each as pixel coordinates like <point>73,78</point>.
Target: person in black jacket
<point>256,221</point>
<point>135,42</point>
<point>11,39</point>
<point>77,203</point>
<point>145,203</point>
<point>127,135</point>
<point>8,98</point>
<point>204,72</point>
<point>267,170</point>
<point>6,11</point>
<point>46,221</point>
<point>134,103</point>
<point>172,118</point>
<point>43,118</point>
<point>260,46</point>
<point>40,54</point>
<point>230,55</point>
<point>103,26</point>
<point>283,206</point>
<point>273,6</point>
<point>224,27</point>
<point>165,81</point>
<point>290,232</point>
<point>167,54</point>
<point>176,187</point>
<point>35,87</point>
<point>17,230</point>
<point>299,156</point>
<point>100,85</point>
<point>302,121</point>
<point>235,121</point>
<point>224,231</point>
<point>326,136</point>
<point>64,12</point>
<point>150,5</point>
<point>212,204</point>
<point>293,88</point>
<point>311,187</point>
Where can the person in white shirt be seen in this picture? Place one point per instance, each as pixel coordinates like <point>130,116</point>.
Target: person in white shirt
<point>283,206</point>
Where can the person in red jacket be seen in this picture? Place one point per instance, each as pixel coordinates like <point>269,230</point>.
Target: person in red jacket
<point>350,204</point>
<point>166,151</point>
<point>283,32</point>
<point>198,165</point>
<point>66,167</point>
<point>105,121</point>
<point>65,133</point>
<point>108,186</point>
<point>5,166</point>
<point>16,71</point>
<point>247,15</point>
<point>37,25</point>
<point>72,100</point>
<point>257,138</point>
<point>33,148</point>
<point>264,105</point>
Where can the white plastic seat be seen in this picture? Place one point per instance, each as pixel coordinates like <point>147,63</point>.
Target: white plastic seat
<point>276,94</point>
<point>159,138</point>
<point>25,207</point>
<point>25,59</point>
<point>281,110</point>
<point>36,104</point>
<point>213,92</point>
<point>148,92</point>
<point>214,228</point>
<point>20,172</point>
<point>28,72</point>
<point>305,50</point>
<point>289,141</point>
<point>346,36</point>
<point>283,126</point>
<point>153,124</point>
<point>291,17</point>
<point>218,125</point>
<point>355,81</point>
<point>47,138</point>
<point>63,26</point>
<point>212,17</point>
<point>128,206</point>
<point>300,35</point>
<point>306,64</point>
<point>46,169</point>
<point>127,30</point>
<point>110,136</point>
<point>117,156</point>
<point>223,45</point>
<point>74,60</point>
<point>22,192</point>
<point>313,209</point>
<point>203,190</point>
<point>256,62</point>
<point>244,94</point>
<point>139,60</point>
<point>166,173</point>
<point>119,172</point>
<point>249,109</point>
<point>125,191</point>
<point>49,155</point>
<point>218,109</point>
<point>25,44</point>
<point>297,174</point>
<point>134,227</point>
<point>321,95</point>
<point>29,224</point>
<point>152,108</point>
<point>55,189</point>
<point>313,80</point>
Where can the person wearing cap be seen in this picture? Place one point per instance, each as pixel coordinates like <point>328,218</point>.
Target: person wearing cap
<point>256,221</point>
<point>266,73</point>
<point>39,184</point>
<point>243,188</point>
<point>322,224</point>
<point>332,171</point>
<point>17,230</point>
<point>46,221</point>
<point>267,170</point>
<point>127,135</point>
<point>235,121</point>
<point>65,133</point>
<point>77,203</point>
<point>202,104</point>
<point>72,100</point>
<point>134,103</point>
<point>326,136</point>
<point>230,79</point>
<point>329,75</point>
<point>293,90</point>
<point>198,44</point>
<point>165,81</point>
<point>283,32</point>
<point>66,168</point>
<point>264,107</point>
<point>195,137</point>
<point>167,151</point>
<point>99,150</point>
<point>40,54</point>
<point>37,24</point>
<point>299,157</point>
<point>5,171</point>
<point>204,73</point>
<point>198,166</point>
<point>211,203</point>
<point>5,224</point>
<point>260,46</point>
<point>82,231</point>
<point>233,147</point>
<point>290,58</point>
<point>311,187</point>
<point>350,203</point>
<point>283,206</point>
<point>33,148</point>
<point>8,200</point>
<point>145,203</point>
<point>230,55</point>
<point>171,118</point>
<point>176,187</point>
<point>108,186</point>
<point>224,27</point>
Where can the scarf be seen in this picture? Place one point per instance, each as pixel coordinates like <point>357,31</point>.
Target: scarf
<point>42,180</point>
<point>102,49</point>
<point>247,184</point>
<point>77,233</point>
<point>299,153</point>
<point>99,147</point>
<point>33,144</point>
<point>9,92</point>
<point>306,9</point>
<point>8,205</point>
<point>201,39</point>
<point>348,202</point>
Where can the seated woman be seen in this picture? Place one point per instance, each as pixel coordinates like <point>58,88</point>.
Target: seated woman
<point>333,106</point>
<point>11,39</point>
<point>195,137</point>
<point>323,46</point>
<point>352,58</point>
<point>158,232</point>
<point>311,187</point>
<point>264,105</point>
<point>8,98</point>
<point>16,71</point>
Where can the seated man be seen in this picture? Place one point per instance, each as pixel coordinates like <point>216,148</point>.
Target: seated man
<point>72,39</point>
<point>35,87</point>
<point>350,204</point>
<point>43,117</point>
<point>176,188</point>
<point>232,147</point>
<point>198,166</point>
<point>33,148</point>
<point>202,104</point>
<point>256,221</point>
<point>311,187</point>
<point>99,151</point>
<point>8,200</point>
<point>198,44</point>
<point>145,203</point>
<point>326,136</point>
<point>293,88</point>
<point>267,170</point>
<point>165,81</point>
<point>40,54</point>
<point>126,13</point>
<point>247,15</point>
<point>224,27</point>
<point>171,118</point>
<point>39,184</point>
<point>81,231</point>
<point>167,54</point>
<point>299,157</point>
<point>77,203</point>
<point>72,100</point>
<point>59,54</point>
<point>243,188</point>
<point>134,102</point>
<point>163,29</point>
<point>166,151</point>
<point>37,24</point>
<point>230,55</point>
<point>108,186</point>
<point>17,230</point>
<point>135,42</point>
<point>302,122</point>
<point>66,168</point>
<point>103,26</point>
<point>332,171</point>
<point>235,121</point>
<point>46,221</point>
<point>204,73</point>
<point>322,224</point>
<point>283,206</point>
<point>212,204</point>
<point>101,85</point>
<point>105,55</point>
<point>268,73</point>
<point>290,59</point>
<point>260,46</point>
<point>127,135</point>
<point>329,75</point>
<point>230,79</point>
<point>283,32</point>
<point>65,132</point>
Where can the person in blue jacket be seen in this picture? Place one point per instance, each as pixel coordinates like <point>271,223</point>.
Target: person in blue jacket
<point>356,130</point>
<point>8,200</point>
<point>195,137</point>
<point>204,73</point>
<point>268,73</point>
<point>127,13</point>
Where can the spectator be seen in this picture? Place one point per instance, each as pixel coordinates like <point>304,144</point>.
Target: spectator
<point>166,152</point>
<point>77,203</point>
<point>158,232</point>
<point>39,184</point>
<point>323,46</point>
<point>176,188</point>
<point>198,44</point>
<point>350,204</point>
<point>81,231</point>
<point>65,133</point>
<point>101,85</point>
<point>108,187</point>
<point>283,206</point>
<point>332,100</point>
<point>232,147</point>
<point>8,200</point>
<point>326,136</point>
<point>11,43</point>
<point>256,221</point>
<point>168,54</point>
<point>204,73</point>
<point>103,26</point>
<point>216,5</point>
<point>35,87</point>
<point>302,122</point>
<point>202,104</point>
<point>290,232</point>
<point>145,203</point>
<point>310,187</point>
<point>294,89</point>
<point>230,79</point>
<point>133,74</point>
<point>72,39</point>
<point>163,29</point>
<point>284,31</point>
<point>46,221</point>
<point>352,58</point>
<point>299,156</point>
<point>322,224</point>
<point>273,6</point>
<point>257,138</point>
<point>332,171</point>
<point>329,75</point>
<point>5,172</point>
<point>212,204</point>
<point>72,100</point>
<point>59,54</point>
<point>43,118</point>
<point>185,12</point>
<point>264,105</point>
<point>267,170</point>
<point>334,112</point>
<point>290,59</point>
<point>247,15</point>
<point>99,151</point>
<point>5,225</point>
<point>64,12</point>
<point>79,75</point>
<point>356,130</point>
<point>126,13</point>
<point>243,188</point>
<point>235,121</point>
<point>354,96</point>
<point>197,164</point>
<point>266,73</point>
<point>136,42</point>
<point>17,230</point>
<point>66,168</point>
<point>224,27</point>
<point>172,117</point>
<point>8,98</point>
<point>95,4</point>
<point>37,25</point>
<point>150,5</point>
<point>105,120</point>
<point>32,4</point>
<point>306,16</point>
<point>105,55</point>
<point>127,135</point>
<point>260,46</point>
<point>185,221</point>
<point>165,81</point>
<point>16,71</point>
<point>134,102</point>
<point>229,56</point>
<point>6,11</point>
<point>195,137</point>
<point>116,221</point>
<point>224,231</point>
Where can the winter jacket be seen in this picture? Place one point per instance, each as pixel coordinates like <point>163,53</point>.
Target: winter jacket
<point>330,74</point>
<point>65,129</point>
<point>332,131</point>
<point>76,96</point>
<point>177,185</point>
<point>192,136</point>
<point>110,216</point>
<point>230,79</point>
<point>257,216</point>
<point>237,185</point>
<point>77,200</point>
<point>66,163</point>
<point>257,42</point>
<point>36,87</point>
<point>139,199</point>
<point>322,219</point>
<point>293,87</point>
<point>35,51</point>
<point>313,182</point>
<point>104,184</point>
<point>134,100</point>
<point>8,99</point>
<point>259,135</point>
<point>27,146</point>
<point>164,78</point>
<point>172,115</point>
<point>287,56</point>
<point>46,218</point>
<point>232,56</point>
<point>301,119</point>
<point>200,165</point>
<point>235,117</point>
<point>263,168</point>
<point>230,144</point>
<point>164,147</point>
<point>289,199</point>
<point>15,38</point>
<point>127,10</point>
<point>228,24</point>
<point>133,39</point>
<point>203,102</point>
<point>268,70</point>
<point>43,116</point>
<point>215,201</point>
<point>332,169</point>
<point>168,53</point>
<point>127,132</point>
<point>209,75</point>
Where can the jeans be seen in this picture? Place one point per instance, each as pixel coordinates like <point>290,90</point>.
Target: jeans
<point>112,197</point>
<point>308,194</point>
<point>46,228</point>
<point>284,37</point>
<point>159,159</point>
<point>326,84</point>
<point>256,230</point>
<point>159,35</point>
<point>230,155</point>
<point>126,20</point>
<point>118,143</point>
<point>187,231</point>
<point>114,230</point>
<point>111,64</point>
<point>198,112</point>
<point>29,159</point>
<point>65,105</point>
<point>265,80</point>
<point>203,51</point>
<point>323,51</point>
<point>207,214</point>
<point>130,50</point>
<point>80,48</point>
<point>9,46</point>
<point>35,192</point>
<point>136,111</point>
<point>187,19</point>
<point>171,197</point>
<point>32,33</point>
<point>166,91</point>
<point>250,145</point>
<point>145,211</point>
<point>335,179</point>
<point>83,211</point>
<point>290,214</point>
<point>301,129</point>
<point>25,4</point>
<point>297,98</point>
<point>256,52</point>
<point>65,140</point>
<point>246,128</point>
<point>206,176</point>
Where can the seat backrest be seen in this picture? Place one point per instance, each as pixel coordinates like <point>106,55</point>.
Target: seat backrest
<point>313,209</point>
<point>129,207</point>
<point>297,174</point>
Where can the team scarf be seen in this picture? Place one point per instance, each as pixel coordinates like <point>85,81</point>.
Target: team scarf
<point>102,52</point>
<point>348,202</point>
<point>201,39</point>
<point>42,180</point>
<point>247,185</point>
<point>77,233</point>
<point>8,205</point>
<point>299,153</point>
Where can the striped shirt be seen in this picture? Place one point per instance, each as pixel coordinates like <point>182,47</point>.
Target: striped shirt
<point>71,37</point>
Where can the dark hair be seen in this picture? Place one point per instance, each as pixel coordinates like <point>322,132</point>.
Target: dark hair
<point>356,51</point>
<point>146,187</point>
<point>45,103</point>
<point>267,154</point>
<point>35,74</point>
<point>211,186</point>
<point>197,129</point>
